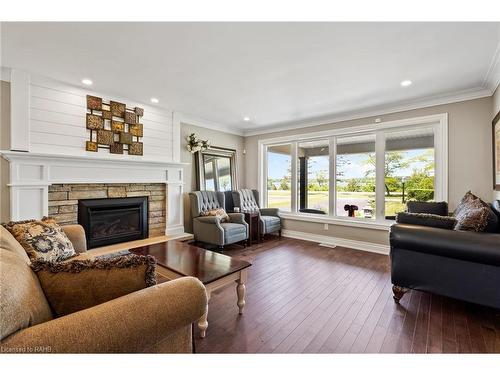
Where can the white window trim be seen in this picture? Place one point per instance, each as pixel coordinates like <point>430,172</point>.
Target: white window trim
<point>439,122</point>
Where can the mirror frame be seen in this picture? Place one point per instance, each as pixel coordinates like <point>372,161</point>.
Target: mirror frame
<point>216,151</point>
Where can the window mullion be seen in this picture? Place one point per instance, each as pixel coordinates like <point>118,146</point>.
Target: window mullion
<point>380,176</point>
<point>293,179</point>
<point>332,176</point>
<point>264,176</point>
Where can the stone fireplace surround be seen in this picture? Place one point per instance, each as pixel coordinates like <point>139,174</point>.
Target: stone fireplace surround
<point>41,184</point>
<point>63,201</point>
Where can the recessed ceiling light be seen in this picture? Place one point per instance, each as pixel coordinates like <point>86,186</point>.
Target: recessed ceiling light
<point>406,83</point>
<point>246,118</point>
<point>87,81</point>
<point>154,100</point>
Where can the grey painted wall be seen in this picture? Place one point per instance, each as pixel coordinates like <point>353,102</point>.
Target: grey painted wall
<point>217,138</point>
<point>469,159</point>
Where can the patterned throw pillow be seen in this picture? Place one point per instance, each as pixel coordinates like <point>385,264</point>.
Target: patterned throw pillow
<point>475,215</point>
<point>219,212</point>
<point>42,239</point>
<point>472,219</point>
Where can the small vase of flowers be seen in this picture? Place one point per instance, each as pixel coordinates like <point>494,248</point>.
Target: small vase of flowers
<point>194,144</point>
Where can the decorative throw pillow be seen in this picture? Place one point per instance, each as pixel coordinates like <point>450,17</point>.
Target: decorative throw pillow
<point>219,212</point>
<point>472,219</point>
<point>42,239</point>
<point>428,220</point>
<point>79,284</point>
<point>475,215</point>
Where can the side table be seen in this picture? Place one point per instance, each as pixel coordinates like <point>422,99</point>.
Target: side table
<point>253,220</point>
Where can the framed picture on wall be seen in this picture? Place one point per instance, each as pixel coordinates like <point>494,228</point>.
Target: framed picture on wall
<point>496,152</point>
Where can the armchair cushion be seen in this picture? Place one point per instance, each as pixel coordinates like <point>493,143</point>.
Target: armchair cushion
<point>80,284</point>
<point>42,239</point>
<point>234,232</point>
<point>270,224</point>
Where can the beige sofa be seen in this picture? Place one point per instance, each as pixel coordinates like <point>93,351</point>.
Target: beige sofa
<point>156,319</point>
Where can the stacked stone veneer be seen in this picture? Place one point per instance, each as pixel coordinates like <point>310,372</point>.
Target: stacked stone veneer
<point>63,201</point>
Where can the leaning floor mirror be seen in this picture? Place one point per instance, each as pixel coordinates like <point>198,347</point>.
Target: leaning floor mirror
<point>216,169</point>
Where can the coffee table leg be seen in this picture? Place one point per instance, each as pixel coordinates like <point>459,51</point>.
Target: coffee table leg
<point>203,321</point>
<point>240,290</point>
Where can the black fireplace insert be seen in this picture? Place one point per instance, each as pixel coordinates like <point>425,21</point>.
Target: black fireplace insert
<point>112,220</point>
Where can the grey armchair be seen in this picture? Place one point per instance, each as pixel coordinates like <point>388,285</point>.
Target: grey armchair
<point>247,200</point>
<point>210,229</point>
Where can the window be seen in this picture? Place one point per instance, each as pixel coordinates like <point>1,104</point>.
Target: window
<point>279,177</point>
<point>313,167</point>
<point>355,183</point>
<point>409,168</point>
<point>362,174</point>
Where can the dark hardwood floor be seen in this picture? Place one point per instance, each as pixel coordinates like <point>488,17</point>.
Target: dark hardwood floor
<point>304,298</point>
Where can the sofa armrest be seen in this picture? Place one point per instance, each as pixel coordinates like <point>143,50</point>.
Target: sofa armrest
<point>478,247</point>
<point>137,322</point>
<point>270,211</point>
<point>76,235</point>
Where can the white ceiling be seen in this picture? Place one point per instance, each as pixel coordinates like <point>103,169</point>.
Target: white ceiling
<point>274,73</point>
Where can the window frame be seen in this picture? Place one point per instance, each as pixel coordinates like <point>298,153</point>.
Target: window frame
<point>439,124</point>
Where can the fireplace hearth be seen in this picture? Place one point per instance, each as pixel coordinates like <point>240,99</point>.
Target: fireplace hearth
<point>113,220</point>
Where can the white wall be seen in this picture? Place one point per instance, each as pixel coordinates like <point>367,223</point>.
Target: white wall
<point>57,122</point>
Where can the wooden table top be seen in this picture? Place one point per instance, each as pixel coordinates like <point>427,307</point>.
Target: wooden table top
<point>189,260</point>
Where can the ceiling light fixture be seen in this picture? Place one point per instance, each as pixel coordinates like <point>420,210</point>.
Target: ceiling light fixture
<point>87,81</point>
<point>154,100</point>
<point>406,83</point>
<point>246,118</point>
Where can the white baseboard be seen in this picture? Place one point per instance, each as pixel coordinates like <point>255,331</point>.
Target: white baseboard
<point>336,241</point>
<point>173,230</point>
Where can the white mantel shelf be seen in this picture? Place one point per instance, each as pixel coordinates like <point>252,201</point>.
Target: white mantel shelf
<point>31,174</point>
<point>115,159</point>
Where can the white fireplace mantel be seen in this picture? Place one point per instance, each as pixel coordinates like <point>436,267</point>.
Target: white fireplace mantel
<point>31,174</point>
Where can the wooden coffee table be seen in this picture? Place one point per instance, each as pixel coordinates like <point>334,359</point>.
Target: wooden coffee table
<point>178,259</point>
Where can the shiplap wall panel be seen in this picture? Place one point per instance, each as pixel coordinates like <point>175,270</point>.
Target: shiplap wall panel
<point>57,119</point>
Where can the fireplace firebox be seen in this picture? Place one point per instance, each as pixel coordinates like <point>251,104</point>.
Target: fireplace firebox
<point>112,220</point>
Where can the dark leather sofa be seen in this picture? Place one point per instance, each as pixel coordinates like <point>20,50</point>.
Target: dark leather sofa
<point>458,264</point>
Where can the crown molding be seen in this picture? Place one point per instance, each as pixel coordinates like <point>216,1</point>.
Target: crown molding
<point>492,77</point>
<point>202,123</point>
<point>431,101</point>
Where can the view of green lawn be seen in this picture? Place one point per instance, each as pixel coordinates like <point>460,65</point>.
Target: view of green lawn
<point>319,200</point>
